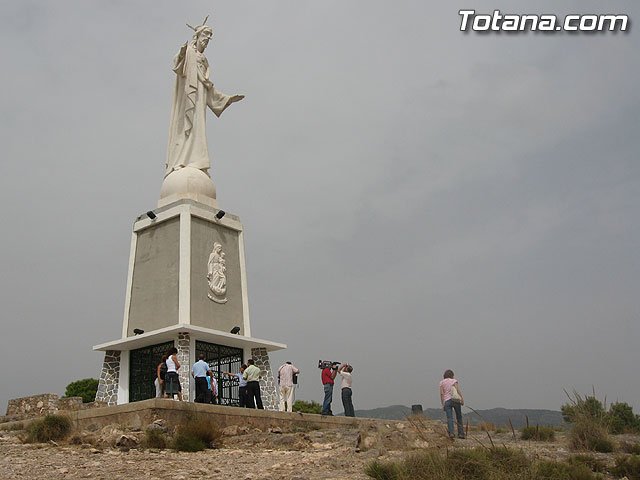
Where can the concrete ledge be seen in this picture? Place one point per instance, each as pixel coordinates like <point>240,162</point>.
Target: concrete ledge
<point>141,414</point>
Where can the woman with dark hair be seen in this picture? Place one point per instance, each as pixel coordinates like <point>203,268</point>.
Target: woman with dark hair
<point>161,373</point>
<point>451,398</point>
<point>172,382</point>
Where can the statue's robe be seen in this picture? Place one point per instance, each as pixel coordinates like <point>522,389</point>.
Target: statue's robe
<point>193,93</point>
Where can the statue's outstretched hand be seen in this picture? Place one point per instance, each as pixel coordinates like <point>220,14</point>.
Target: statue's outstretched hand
<point>236,98</point>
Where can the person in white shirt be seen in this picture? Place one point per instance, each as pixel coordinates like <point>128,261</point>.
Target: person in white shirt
<point>285,379</point>
<point>347,402</point>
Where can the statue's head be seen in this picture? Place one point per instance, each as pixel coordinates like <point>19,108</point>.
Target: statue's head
<point>201,38</point>
<point>202,35</point>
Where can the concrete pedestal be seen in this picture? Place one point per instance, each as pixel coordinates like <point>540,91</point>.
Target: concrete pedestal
<point>186,284</point>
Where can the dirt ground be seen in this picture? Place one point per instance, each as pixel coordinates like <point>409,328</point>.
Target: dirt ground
<point>314,455</point>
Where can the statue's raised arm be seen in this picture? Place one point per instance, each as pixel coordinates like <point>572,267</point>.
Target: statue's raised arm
<point>193,93</point>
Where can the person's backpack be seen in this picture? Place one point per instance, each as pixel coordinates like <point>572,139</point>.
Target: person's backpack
<point>163,371</point>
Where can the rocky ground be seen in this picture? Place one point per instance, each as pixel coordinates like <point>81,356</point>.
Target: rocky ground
<point>115,453</point>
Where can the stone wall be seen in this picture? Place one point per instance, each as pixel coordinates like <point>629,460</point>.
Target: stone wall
<point>267,382</point>
<point>109,378</point>
<point>70,403</point>
<point>185,367</point>
<point>140,414</point>
<point>44,404</point>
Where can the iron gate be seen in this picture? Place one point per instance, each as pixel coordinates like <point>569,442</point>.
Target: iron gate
<point>143,364</point>
<point>223,359</point>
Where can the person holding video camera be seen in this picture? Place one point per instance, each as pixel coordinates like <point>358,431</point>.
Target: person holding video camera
<point>329,372</point>
<point>347,402</point>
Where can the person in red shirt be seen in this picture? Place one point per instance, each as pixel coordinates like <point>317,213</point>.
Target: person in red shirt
<point>328,375</point>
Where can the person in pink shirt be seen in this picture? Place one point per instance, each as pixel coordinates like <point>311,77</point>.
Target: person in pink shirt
<point>449,404</point>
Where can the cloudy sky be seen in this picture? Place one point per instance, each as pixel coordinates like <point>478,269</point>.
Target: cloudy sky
<point>414,198</point>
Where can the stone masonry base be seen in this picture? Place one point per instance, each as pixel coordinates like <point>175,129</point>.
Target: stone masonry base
<point>109,378</point>
<point>267,382</point>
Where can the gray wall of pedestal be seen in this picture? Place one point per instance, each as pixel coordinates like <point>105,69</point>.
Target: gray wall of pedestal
<point>204,311</point>
<point>154,292</point>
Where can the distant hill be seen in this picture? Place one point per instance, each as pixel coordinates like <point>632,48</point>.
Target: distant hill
<point>497,416</point>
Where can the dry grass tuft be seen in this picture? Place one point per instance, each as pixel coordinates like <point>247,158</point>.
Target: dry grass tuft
<point>197,434</point>
<point>481,463</point>
<point>49,428</point>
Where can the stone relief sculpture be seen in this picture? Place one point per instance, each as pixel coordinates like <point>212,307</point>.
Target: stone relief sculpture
<point>193,93</point>
<point>217,274</point>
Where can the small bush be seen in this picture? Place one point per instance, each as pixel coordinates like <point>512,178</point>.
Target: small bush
<point>186,443</point>
<point>307,407</point>
<point>589,424</point>
<point>549,470</point>
<point>382,470</point>
<point>477,464</point>
<point>51,427</point>
<point>86,389</point>
<point>627,467</point>
<point>602,445</point>
<point>154,439</point>
<point>579,407</point>
<point>622,419</point>
<point>594,464</point>
<point>473,464</point>
<point>629,447</point>
<point>542,433</point>
<point>197,434</point>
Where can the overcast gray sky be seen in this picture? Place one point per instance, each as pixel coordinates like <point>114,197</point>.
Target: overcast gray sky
<point>414,198</point>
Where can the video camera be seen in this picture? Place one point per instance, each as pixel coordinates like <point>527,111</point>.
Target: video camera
<point>322,364</point>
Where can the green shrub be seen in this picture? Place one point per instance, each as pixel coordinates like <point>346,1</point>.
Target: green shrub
<point>186,443</point>
<point>589,424</point>
<point>580,407</point>
<point>307,407</point>
<point>602,445</point>
<point>86,389</point>
<point>154,439</point>
<point>382,470</point>
<point>622,419</point>
<point>473,464</point>
<point>627,467</point>
<point>594,464</point>
<point>197,434</point>
<point>477,464</point>
<point>629,447</point>
<point>51,427</point>
<point>542,433</point>
<point>549,470</point>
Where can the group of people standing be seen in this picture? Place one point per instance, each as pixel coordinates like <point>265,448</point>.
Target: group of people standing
<point>328,380</point>
<point>287,379</point>
<point>167,381</point>
<point>167,385</point>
